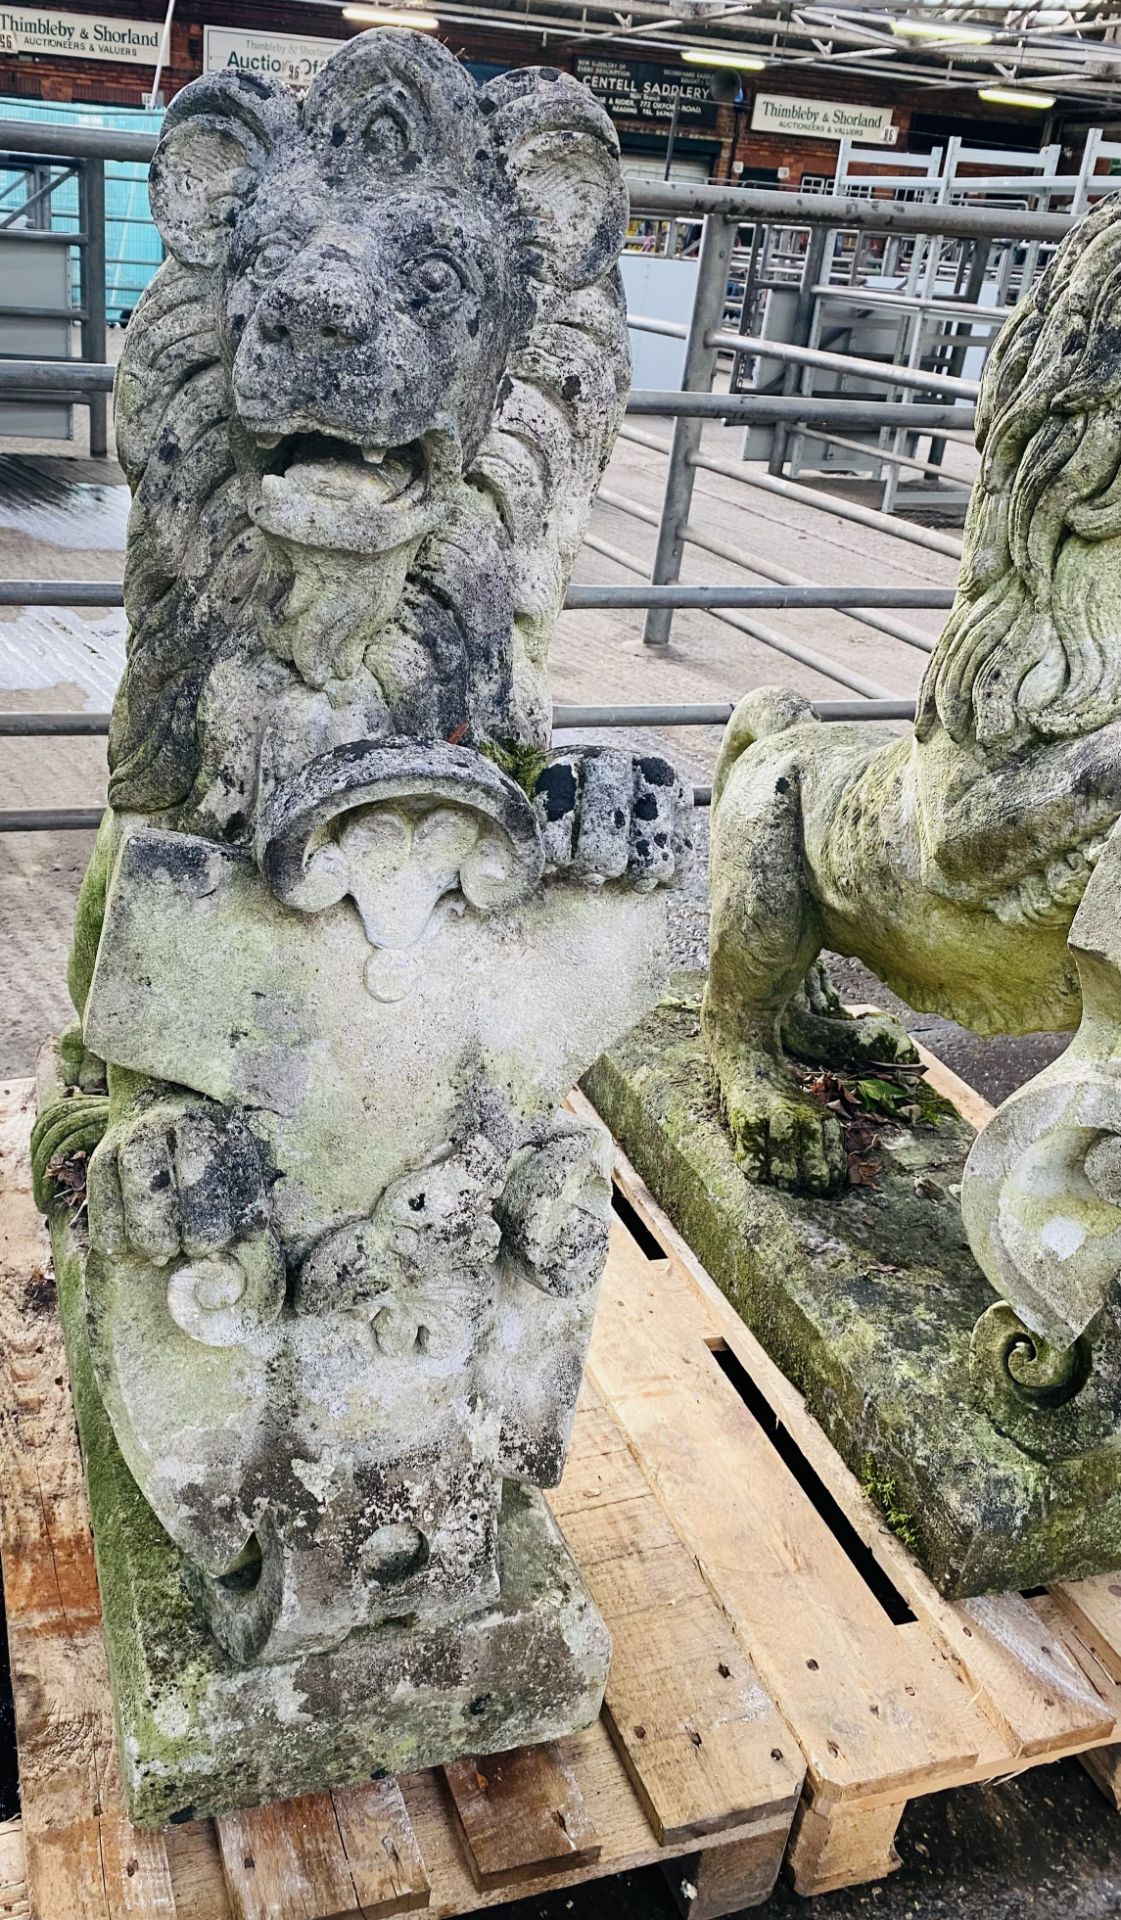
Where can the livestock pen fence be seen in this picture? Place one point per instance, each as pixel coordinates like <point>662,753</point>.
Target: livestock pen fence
<point>944,407</point>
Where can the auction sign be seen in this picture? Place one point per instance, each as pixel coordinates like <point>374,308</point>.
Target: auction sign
<point>280,56</point>
<point>641,90</point>
<point>79,36</point>
<point>823,119</point>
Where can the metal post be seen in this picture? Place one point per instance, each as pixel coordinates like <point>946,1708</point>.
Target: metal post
<point>700,364</point>
<point>975,286</point>
<point>801,330</point>
<point>94,345</point>
<point>162,53</point>
<point>672,133</point>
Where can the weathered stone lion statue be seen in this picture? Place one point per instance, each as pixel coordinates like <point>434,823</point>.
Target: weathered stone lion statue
<point>351,933</point>
<point>950,861</point>
<point>363,410</point>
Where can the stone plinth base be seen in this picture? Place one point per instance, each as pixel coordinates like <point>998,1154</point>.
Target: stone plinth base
<point>198,1736</point>
<point>867,1303</point>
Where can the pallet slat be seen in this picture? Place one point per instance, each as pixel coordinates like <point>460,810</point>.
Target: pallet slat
<point>521,1815</point>
<point>351,1851</point>
<point>286,1861</point>
<point>196,1872</point>
<point>1057,1700</point>
<point>1103,1764</point>
<point>13,1872</point>
<point>381,1849</point>
<point>704,1745</point>
<point>1094,1610</point>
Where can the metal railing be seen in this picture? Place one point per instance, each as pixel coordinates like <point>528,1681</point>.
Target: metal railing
<point>89,242</point>
<point>724,210</point>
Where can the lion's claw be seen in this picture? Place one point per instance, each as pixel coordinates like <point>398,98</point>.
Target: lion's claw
<point>607,815</point>
<point>784,1139</point>
<point>179,1179</point>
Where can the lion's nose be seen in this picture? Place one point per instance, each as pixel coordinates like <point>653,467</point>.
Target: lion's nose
<point>314,316</point>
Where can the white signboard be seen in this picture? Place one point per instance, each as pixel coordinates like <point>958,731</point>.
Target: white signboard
<point>280,56</point>
<point>823,119</point>
<point>83,36</point>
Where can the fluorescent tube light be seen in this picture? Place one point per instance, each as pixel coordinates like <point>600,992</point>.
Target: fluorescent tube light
<point>947,31</point>
<point>1014,97</point>
<point>713,57</point>
<point>387,17</point>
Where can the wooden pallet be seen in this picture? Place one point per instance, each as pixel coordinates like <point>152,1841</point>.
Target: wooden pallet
<point>762,1699</point>
<point>884,1709</point>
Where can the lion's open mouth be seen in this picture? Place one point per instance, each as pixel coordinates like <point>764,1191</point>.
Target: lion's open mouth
<point>321,490</point>
<point>323,463</point>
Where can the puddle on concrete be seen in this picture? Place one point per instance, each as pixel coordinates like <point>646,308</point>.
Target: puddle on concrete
<point>39,499</point>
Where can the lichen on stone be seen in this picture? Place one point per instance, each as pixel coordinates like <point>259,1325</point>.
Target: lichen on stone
<point>351,932</point>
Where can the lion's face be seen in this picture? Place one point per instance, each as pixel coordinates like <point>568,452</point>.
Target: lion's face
<point>390,334</point>
<point>373,269</point>
<point>366,338</point>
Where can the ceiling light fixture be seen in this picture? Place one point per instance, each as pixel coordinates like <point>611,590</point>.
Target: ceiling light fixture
<point>387,17</point>
<point>946,31</point>
<point>712,57</point>
<point>1013,97</point>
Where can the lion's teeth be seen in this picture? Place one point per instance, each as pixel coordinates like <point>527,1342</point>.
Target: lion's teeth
<point>268,440</point>
<point>374,456</point>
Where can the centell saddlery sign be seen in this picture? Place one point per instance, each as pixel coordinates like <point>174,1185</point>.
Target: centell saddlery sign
<point>823,119</point>
<point>79,36</point>
<point>642,90</point>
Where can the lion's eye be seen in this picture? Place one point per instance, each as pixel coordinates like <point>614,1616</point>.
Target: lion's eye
<point>271,258</point>
<point>435,278</point>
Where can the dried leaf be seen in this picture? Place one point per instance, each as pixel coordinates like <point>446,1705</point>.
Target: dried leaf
<point>68,1173</point>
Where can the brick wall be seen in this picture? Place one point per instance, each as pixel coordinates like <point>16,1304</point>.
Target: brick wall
<point>118,85</point>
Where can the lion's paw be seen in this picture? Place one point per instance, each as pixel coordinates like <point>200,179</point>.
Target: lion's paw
<point>183,1178</point>
<point>783,1138</point>
<point>608,815</point>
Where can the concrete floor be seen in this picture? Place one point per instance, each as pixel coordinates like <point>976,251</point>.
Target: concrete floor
<point>1045,1845</point>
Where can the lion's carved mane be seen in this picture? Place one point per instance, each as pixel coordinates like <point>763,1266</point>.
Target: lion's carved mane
<point>1032,648</point>
<point>195,558</point>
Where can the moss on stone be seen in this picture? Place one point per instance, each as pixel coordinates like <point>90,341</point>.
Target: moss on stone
<point>91,913</point>
<point>522,763</point>
<point>882,1489</point>
<point>867,1301</point>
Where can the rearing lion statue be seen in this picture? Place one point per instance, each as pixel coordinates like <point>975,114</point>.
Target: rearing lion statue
<point>950,861</point>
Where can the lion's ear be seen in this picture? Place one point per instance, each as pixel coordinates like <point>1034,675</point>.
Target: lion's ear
<point>215,136</point>
<point>563,152</point>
